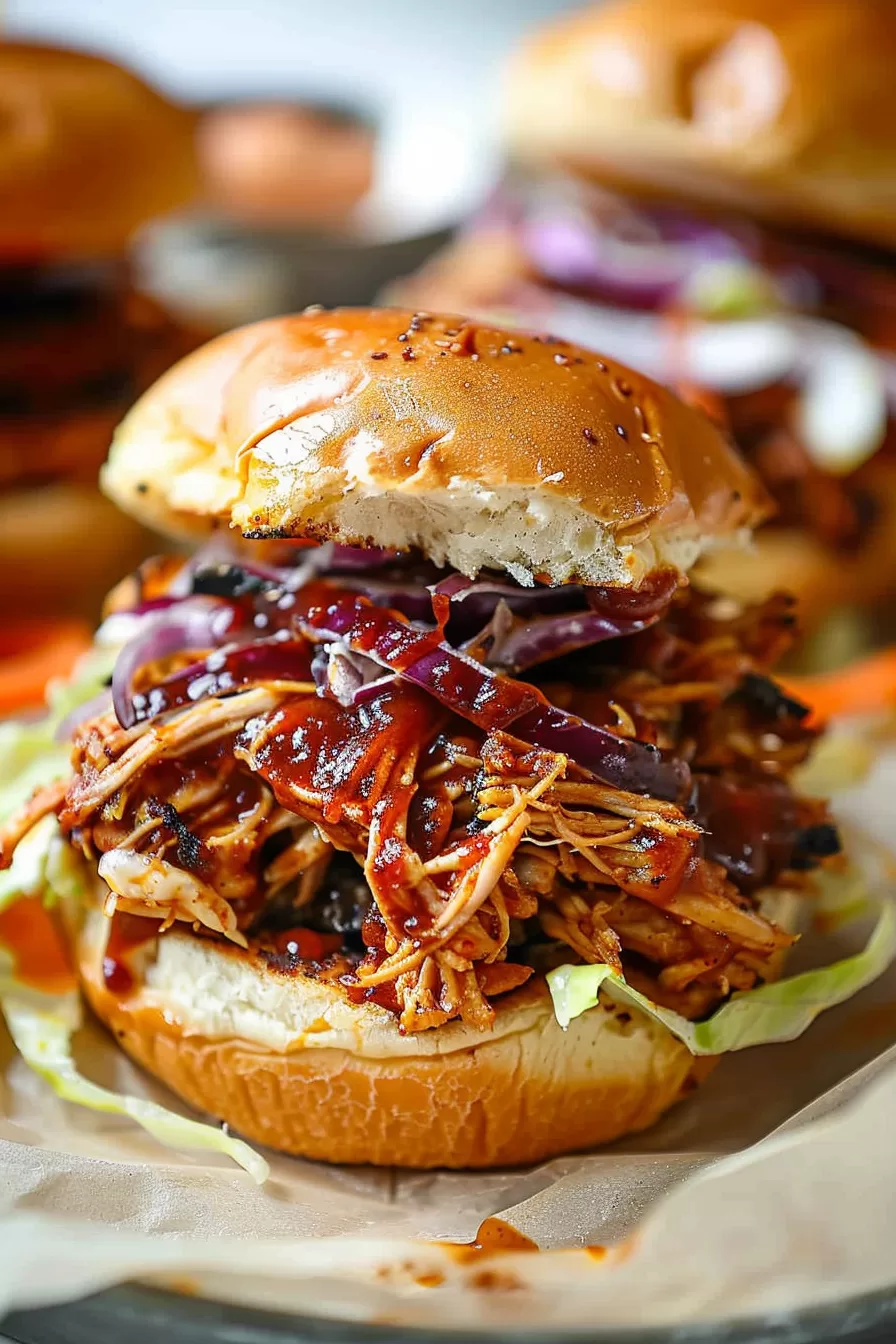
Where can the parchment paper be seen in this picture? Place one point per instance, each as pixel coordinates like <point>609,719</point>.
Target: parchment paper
<point>806,1217</point>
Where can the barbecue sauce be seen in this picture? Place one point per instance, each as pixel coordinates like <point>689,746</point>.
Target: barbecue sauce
<point>488,701</point>
<point>323,758</point>
<point>127,933</point>
<point>493,1237</point>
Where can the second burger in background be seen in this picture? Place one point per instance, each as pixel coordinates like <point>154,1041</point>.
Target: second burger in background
<point>88,153</point>
<point>707,190</point>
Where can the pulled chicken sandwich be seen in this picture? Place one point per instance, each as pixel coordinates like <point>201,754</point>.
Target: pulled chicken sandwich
<point>432,714</point>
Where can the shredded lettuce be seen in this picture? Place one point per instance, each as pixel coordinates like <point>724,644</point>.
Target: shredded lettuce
<point>26,876</point>
<point>839,760</point>
<point>42,1026</point>
<point>780,1011</point>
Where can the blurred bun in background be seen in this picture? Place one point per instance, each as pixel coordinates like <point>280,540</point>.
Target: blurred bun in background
<point>707,191</point>
<point>88,154</point>
<point>785,111</point>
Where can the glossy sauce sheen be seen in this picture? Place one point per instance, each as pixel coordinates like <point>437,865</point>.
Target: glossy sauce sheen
<point>270,660</point>
<point>128,932</point>
<point>749,830</point>
<point>490,701</point>
<point>493,1237</point>
<point>322,755</point>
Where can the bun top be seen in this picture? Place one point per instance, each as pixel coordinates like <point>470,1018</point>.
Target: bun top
<point>486,449</point>
<point>88,152</point>
<point>787,111</point>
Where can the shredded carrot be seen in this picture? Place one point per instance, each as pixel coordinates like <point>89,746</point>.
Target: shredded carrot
<point>31,654</point>
<point>861,688</point>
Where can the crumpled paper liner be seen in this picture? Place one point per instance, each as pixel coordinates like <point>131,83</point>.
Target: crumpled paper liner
<point>743,1238</point>
<point>805,1218</point>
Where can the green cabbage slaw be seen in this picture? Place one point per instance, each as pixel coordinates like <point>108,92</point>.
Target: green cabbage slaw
<point>778,1011</point>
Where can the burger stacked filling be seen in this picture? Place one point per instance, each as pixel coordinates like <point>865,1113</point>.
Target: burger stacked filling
<point>425,789</point>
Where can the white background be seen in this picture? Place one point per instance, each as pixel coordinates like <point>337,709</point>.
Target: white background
<point>427,69</point>
<point>384,49</point>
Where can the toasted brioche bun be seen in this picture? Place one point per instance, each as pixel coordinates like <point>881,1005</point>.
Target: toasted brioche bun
<point>287,1060</point>
<point>485,449</point>
<point>88,152</point>
<point>787,111</point>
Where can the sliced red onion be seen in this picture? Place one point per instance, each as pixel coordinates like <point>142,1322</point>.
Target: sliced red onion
<point>526,643</point>
<point>622,604</point>
<point>228,574</point>
<point>634,258</point>
<point>411,599</point>
<point>620,762</point>
<point>463,591</point>
<point>195,623</point>
<point>456,586</point>
<point>574,254</point>
<point>491,637</point>
<point>121,626</point>
<point>613,612</point>
<point>474,602</point>
<point>225,672</point>
<point>343,558</point>
<point>490,701</point>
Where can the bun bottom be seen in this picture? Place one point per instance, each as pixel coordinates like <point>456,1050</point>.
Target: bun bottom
<point>452,1097</point>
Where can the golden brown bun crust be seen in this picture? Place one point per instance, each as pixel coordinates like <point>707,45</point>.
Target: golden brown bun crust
<point>88,152</point>
<point>787,111</point>
<point>520,1094</point>
<point>371,425</point>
